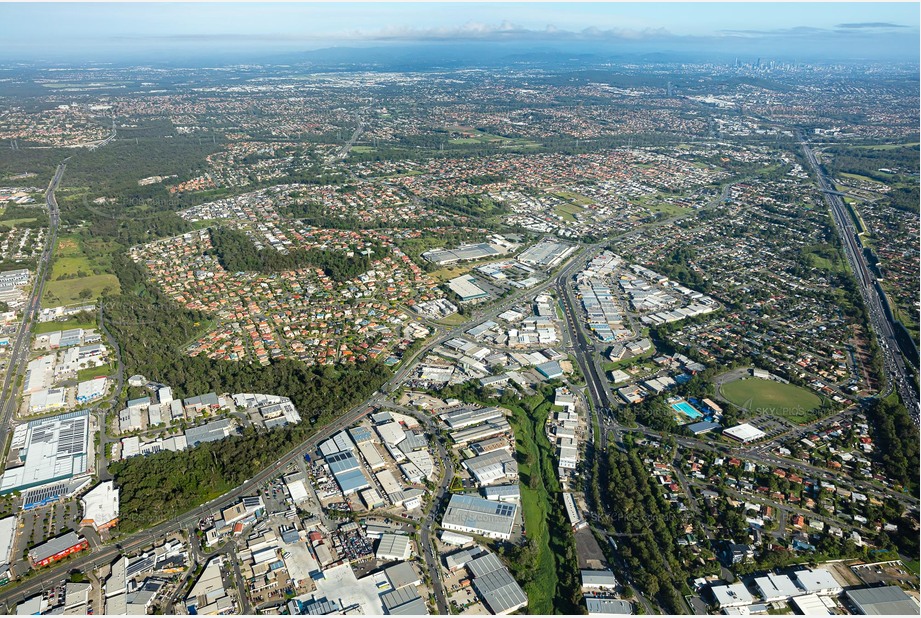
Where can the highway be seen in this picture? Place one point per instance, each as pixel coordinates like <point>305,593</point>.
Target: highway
<point>19,356</point>
<point>897,372</point>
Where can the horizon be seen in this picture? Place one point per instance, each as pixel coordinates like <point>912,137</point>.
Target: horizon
<point>241,32</point>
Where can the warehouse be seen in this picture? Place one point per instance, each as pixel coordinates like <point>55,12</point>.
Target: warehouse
<point>475,515</point>
<point>91,389</point>
<point>56,548</point>
<point>603,580</point>
<point>732,595</point>
<point>460,254</point>
<point>393,547</point>
<point>467,417</point>
<point>818,581</point>
<point>494,466</point>
<point>480,432</point>
<point>347,472</point>
<point>607,607</point>
<point>100,506</point>
<point>545,254</point>
<point>466,288</point>
<point>7,534</point>
<point>51,449</point>
<point>885,601</point>
<point>496,586</point>
<point>46,399</point>
<point>776,587</point>
<point>404,602</point>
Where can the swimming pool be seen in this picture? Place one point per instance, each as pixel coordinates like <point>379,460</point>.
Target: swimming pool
<point>687,409</point>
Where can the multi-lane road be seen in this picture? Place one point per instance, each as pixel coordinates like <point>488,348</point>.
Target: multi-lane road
<point>897,372</point>
<point>19,355</point>
<point>146,538</point>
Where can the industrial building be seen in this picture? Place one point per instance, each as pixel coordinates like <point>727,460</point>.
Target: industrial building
<point>466,513</point>
<point>100,506</point>
<point>492,467</point>
<point>347,472</point>
<point>546,254</point>
<point>884,601</point>
<point>404,601</point>
<point>732,595</point>
<point>496,586</point>
<point>603,580</point>
<point>393,547</point>
<point>51,449</point>
<point>91,389</point>
<point>818,581</point>
<point>466,288</point>
<point>607,607</point>
<point>56,548</point>
<point>461,254</point>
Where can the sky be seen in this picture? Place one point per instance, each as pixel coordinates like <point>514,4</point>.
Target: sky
<point>114,31</point>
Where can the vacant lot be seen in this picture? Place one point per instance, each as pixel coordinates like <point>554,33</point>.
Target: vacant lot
<point>69,291</point>
<point>770,397</point>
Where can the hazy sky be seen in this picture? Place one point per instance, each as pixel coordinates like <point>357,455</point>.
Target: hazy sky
<point>111,30</point>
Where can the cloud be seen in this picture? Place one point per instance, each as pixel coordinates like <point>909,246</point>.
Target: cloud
<point>871,24</point>
<point>505,31</point>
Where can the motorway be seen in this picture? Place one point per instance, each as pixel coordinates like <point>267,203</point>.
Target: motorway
<point>19,356</point>
<point>897,373</point>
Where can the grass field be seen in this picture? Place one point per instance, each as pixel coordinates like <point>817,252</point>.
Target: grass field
<point>574,197</point>
<point>449,272</point>
<point>887,146</point>
<point>455,319</point>
<point>859,177</point>
<point>49,327</point>
<point>567,211</point>
<point>69,291</point>
<point>914,566</point>
<point>95,372</point>
<point>668,209</point>
<point>85,264</point>
<point>15,222</point>
<point>757,395</point>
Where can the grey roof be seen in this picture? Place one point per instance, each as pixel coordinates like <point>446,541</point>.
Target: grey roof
<point>608,606</point>
<point>502,491</point>
<point>598,578</point>
<point>500,591</point>
<point>486,563</point>
<point>884,601</point>
<point>401,574</point>
<point>210,432</point>
<point>461,558</point>
<point>703,427</point>
<point>481,514</point>
<point>404,601</point>
<point>54,546</point>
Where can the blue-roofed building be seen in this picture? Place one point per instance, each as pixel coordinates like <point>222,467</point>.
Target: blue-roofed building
<point>351,481</point>
<point>361,434</point>
<point>550,370</point>
<point>702,427</point>
<point>341,462</point>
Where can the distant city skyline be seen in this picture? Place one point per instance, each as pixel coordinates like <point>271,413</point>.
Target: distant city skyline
<point>158,31</point>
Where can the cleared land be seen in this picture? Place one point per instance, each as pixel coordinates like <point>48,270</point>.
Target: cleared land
<point>69,291</point>
<point>756,394</point>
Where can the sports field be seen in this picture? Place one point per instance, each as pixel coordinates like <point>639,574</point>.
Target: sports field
<point>768,396</point>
